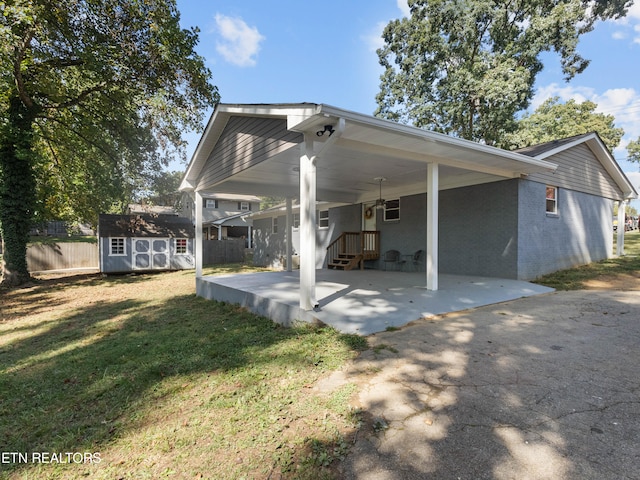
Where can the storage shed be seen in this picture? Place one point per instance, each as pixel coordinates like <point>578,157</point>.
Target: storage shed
<point>144,242</point>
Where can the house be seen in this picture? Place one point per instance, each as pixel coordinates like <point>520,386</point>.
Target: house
<point>223,215</point>
<point>471,209</point>
<point>144,242</point>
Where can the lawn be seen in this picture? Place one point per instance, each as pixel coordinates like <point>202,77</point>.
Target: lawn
<point>135,377</point>
<point>614,272</point>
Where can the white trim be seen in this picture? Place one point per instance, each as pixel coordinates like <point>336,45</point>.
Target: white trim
<point>199,245</point>
<point>622,207</point>
<point>556,210</point>
<point>432,226</point>
<point>186,246</point>
<point>289,244</point>
<point>391,210</point>
<point>124,247</point>
<point>307,225</point>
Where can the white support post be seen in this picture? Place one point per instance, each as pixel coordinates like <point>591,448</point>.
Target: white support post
<point>198,201</point>
<point>289,238</point>
<point>249,237</point>
<point>307,225</point>
<point>432,226</point>
<point>622,206</point>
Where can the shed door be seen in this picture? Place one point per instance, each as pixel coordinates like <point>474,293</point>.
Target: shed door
<point>150,253</point>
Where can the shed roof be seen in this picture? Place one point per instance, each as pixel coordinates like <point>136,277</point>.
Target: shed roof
<point>145,225</point>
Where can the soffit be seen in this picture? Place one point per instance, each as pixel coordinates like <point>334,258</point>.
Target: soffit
<point>367,148</point>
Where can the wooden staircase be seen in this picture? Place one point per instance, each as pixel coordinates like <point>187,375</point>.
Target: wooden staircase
<point>351,249</point>
<point>346,261</point>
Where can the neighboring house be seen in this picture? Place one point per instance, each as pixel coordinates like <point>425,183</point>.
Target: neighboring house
<point>223,215</point>
<point>143,242</point>
<point>471,208</point>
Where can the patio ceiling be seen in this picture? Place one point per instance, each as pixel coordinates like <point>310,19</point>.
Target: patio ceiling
<point>366,149</point>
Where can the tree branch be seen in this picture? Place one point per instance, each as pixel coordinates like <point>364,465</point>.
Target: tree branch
<point>17,70</point>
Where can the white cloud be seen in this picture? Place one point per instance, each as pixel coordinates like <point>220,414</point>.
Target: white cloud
<point>374,39</point>
<point>403,5</point>
<point>631,22</point>
<point>239,43</point>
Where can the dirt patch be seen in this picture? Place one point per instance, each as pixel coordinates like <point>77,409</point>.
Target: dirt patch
<point>622,282</point>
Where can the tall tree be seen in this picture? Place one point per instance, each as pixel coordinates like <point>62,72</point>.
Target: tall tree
<point>633,150</point>
<point>466,67</point>
<point>93,93</point>
<point>553,120</point>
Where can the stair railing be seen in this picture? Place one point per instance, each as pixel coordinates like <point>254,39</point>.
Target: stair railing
<point>365,243</point>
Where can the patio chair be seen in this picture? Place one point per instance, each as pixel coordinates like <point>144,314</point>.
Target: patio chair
<point>393,257</point>
<point>418,260</point>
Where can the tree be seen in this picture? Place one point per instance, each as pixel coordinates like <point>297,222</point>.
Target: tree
<point>93,94</point>
<point>466,67</point>
<point>633,151</point>
<point>553,120</point>
<point>163,189</point>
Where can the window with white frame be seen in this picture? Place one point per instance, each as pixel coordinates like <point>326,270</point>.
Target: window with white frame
<point>323,218</point>
<point>181,246</point>
<point>552,200</point>
<point>117,246</point>
<point>392,210</point>
<point>244,206</point>
<point>274,225</point>
<point>296,221</point>
<point>210,203</point>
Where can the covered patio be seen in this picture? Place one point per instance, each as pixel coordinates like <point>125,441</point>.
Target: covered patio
<point>316,152</point>
<point>361,302</point>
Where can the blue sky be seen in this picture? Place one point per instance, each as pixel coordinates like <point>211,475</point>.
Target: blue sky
<point>288,51</point>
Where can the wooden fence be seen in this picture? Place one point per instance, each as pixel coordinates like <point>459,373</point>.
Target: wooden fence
<point>223,251</point>
<point>62,256</point>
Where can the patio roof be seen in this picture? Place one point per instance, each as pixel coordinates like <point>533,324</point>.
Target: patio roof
<point>367,148</point>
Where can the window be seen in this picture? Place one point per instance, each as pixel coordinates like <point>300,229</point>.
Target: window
<point>296,221</point>
<point>117,247</point>
<point>181,246</point>
<point>244,206</point>
<point>392,210</point>
<point>552,200</point>
<point>323,218</point>
<point>210,203</point>
<point>274,225</point>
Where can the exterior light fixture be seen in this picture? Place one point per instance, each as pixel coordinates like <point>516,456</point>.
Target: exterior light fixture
<point>327,128</point>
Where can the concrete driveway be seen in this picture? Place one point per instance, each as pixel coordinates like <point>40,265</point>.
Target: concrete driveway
<point>545,387</point>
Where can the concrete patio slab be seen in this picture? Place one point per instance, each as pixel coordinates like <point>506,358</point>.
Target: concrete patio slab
<point>361,301</point>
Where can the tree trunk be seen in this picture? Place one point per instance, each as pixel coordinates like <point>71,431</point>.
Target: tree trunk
<point>17,191</point>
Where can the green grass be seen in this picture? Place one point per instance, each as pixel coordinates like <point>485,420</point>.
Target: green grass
<point>575,278</point>
<point>163,384</point>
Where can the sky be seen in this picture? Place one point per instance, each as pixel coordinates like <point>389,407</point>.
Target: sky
<point>291,51</point>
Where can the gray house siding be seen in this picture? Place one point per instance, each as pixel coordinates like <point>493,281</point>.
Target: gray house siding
<point>580,233</point>
<point>264,137</point>
<point>579,170</point>
<point>498,229</point>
